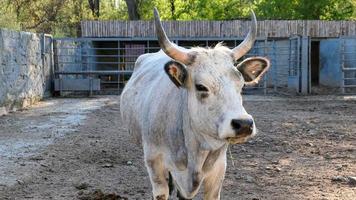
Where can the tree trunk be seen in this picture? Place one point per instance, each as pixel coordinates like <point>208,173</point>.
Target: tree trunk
<point>173,10</point>
<point>95,7</point>
<point>132,9</point>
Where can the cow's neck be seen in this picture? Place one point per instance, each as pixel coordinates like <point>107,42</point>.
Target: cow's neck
<point>200,161</point>
<point>201,148</point>
<point>200,156</point>
<point>196,157</point>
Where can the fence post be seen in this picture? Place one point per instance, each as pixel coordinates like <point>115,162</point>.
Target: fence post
<point>342,64</point>
<point>305,65</point>
<point>274,66</point>
<point>266,77</point>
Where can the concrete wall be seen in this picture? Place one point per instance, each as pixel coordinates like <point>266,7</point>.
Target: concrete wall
<point>330,69</point>
<point>25,73</point>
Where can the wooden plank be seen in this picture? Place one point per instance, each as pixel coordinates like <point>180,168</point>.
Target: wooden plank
<point>234,28</point>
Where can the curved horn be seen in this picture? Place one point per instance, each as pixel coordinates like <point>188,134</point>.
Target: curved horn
<point>247,44</point>
<point>167,46</point>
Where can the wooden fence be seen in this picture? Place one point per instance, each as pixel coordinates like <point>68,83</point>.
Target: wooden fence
<point>219,29</point>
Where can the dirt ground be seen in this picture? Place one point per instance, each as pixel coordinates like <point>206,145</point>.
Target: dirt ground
<point>77,149</point>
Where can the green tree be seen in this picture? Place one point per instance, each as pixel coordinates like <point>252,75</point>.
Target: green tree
<point>7,16</point>
<point>276,9</point>
<point>63,17</point>
<point>305,9</point>
<point>325,9</point>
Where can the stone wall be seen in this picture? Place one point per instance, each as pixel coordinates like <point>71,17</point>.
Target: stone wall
<point>25,69</point>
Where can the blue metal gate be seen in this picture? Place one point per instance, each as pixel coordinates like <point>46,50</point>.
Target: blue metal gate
<point>104,65</point>
<point>348,64</point>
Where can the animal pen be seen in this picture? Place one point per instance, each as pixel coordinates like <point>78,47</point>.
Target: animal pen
<point>79,147</point>
<point>102,60</point>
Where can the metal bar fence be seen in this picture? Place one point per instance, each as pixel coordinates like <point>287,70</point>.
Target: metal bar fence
<point>347,64</point>
<point>110,61</point>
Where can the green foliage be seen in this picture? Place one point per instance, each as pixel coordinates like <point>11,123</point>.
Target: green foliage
<point>7,16</point>
<point>276,9</point>
<point>63,17</point>
<point>110,12</point>
<point>196,9</point>
<point>58,17</point>
<point>305,9</point>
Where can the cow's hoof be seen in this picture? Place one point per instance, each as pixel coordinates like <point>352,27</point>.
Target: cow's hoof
<point>161,197</point>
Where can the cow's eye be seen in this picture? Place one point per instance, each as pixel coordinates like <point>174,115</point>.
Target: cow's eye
<point>201,88</point>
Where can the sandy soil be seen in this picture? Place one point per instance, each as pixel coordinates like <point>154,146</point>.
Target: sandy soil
<point>77,149</point>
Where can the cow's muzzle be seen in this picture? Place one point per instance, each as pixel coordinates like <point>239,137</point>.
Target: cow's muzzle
<point>243,130</point>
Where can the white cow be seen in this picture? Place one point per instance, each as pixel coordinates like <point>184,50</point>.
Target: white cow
<point>185,106</point>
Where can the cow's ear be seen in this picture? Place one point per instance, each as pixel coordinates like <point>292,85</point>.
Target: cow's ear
<point>253,69</point>
<point>176,72</point>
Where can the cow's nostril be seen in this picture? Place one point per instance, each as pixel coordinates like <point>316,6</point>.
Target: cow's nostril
<point>235,123</point>
<point>242,125</point>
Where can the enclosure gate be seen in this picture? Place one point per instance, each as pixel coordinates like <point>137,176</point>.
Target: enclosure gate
<point>294,68</point>
<point>286,64</point>
<point>105,64</point>
<point>348,64</point>
<point>47,60</point>
<point>93,64</point>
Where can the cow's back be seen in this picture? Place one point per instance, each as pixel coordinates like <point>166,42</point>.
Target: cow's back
<point>150,103</point>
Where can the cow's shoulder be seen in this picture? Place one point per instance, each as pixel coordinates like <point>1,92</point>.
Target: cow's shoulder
<point>149,60</point>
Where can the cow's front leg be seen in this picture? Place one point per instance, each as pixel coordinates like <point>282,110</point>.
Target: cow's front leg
<point>214,179</point>
<point>157,173</point>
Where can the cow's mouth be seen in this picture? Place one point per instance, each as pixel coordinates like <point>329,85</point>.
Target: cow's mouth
<point>241,137</point>
<point>237,140</point>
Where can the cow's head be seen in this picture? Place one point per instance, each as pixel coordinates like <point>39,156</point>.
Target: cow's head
<point>213,83</point>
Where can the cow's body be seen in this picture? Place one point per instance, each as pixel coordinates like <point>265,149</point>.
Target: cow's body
<point>156,110</point>
<point>187,112</point>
